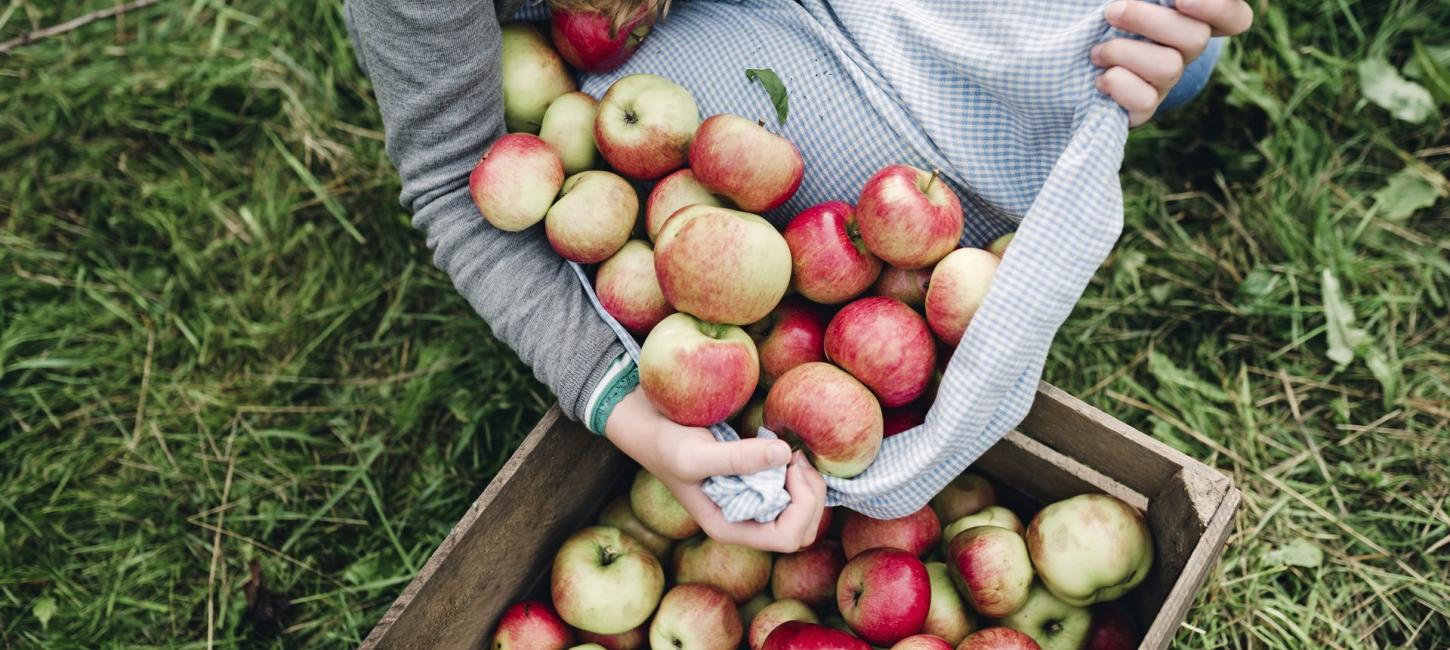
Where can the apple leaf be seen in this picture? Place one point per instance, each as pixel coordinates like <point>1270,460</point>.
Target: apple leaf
<point>43,610</point>
<point>1406,193</point>
<point>1300,552</point>
<point>1404,99</point>
<point>773,86</point>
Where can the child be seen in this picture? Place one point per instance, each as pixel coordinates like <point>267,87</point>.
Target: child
<point>871,84</point>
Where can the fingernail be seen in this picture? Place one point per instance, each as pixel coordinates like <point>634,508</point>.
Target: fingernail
<point>1095,55</point>
<point>777,455</point>
<point>1115,11</point>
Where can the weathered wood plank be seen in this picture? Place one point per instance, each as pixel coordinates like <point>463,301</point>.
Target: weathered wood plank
<point>1046,475</point>
<point>1190,519</point>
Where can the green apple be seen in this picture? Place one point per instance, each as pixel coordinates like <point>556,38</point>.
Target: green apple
<point>604,581</point>
<point>966,495</point>
<point>568,127</point>
<point>947,617</point>
<point>657,507</point>
<point>1052,623</point>
<point>751,607</point>
<point>533,76</point>
<point>1090,548</point>
<point>619,515</point>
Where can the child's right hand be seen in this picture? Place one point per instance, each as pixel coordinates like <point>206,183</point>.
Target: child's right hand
<point>683,457</point>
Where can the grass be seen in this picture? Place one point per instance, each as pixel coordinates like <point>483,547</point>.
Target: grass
<point>225,359</point>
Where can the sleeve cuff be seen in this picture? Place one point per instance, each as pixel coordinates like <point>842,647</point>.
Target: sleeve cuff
<point>621,378</point>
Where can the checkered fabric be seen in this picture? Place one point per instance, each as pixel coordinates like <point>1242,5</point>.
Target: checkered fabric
<point>999,96</point>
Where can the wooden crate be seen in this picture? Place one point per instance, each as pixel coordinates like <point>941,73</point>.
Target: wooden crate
<point>561,476</point>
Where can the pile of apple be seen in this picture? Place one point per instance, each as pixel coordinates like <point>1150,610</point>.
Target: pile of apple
<point>983,581</point>
<point>883,293</point>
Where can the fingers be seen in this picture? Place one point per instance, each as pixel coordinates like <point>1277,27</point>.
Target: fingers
<point>1226,17</point>
<point>1131,92</point>
<point>792,530</point>
<point>706,457</point>
<point>1158,65</point>
<point>1160,24</point>
<point>801,478</point>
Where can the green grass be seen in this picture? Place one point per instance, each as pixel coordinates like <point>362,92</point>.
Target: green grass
<point>222,348</point>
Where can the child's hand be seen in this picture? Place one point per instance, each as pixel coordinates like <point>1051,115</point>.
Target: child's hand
<point>682,457</point>
<point>1139,74</point>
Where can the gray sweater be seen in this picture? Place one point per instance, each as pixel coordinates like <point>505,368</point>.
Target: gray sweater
<point>435,70</point>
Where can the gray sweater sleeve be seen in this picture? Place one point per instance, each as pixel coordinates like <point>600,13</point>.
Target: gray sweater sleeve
<point>436,74</point>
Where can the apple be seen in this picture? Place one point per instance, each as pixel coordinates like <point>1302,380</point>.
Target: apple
<point>604,581</point>
<point>958,286</point>
<point>922,642</point>
<point>568,127</point>
<point>697,373</point>
<point>655,507</point>
<point>809,575</point>
<point>833,620</point>
<point>773,615</point>
<point>947,617</point>
<point>836,419</point>
<point>742,161</point>
<point>998,638</point>
<point>1090,548</point>
<point>797,635</point>
<point>588,646</point>
<point>596,42</point>
<point>884,594</point>
<point>619,515</point>
<point>830,264</point>
<point>824,528</point>
<point>907,286</point>
<point>885,345</point>
<point>915,533</point>
<point>592,218</point>
<point>739,571</point>
<point>531,625</point>
<point>902,418</point>
<point>1052,623</point>
<point>998,246</point>
<point>752,417</point>
<point>645,126</point>
<point>792,334</point>
<point>1112,629</point>
<point>671,193</point>
<point>988,516</point>
<point>515,182</point>
<point>751,607</point>
<point>989,564</point>
<point>722,265</point>
<point>909,218</point>
<point>967,494</point>
<point>636,639</point>
<point>628,289</point>
<point>696,617</point>
<point>533,76</point>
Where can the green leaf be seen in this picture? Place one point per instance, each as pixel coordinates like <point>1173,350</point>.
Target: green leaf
<point>1406,193</point>
<point>1404,99</point>
<point>1344,338</point>
<point>774,87</point>
<point>43,610</point>
<point>1300,552</point>
<point>1167,372</point>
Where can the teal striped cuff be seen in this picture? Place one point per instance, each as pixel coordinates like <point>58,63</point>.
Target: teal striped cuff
<point>621,378</point>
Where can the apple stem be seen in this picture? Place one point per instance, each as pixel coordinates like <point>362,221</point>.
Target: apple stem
<point>761,122</point>
<point>712,330</point>
<point>931,180</point>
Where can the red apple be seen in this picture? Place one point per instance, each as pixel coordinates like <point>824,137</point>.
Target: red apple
<point>531,625</point>
<point>739,159</point>
<point>773,615</point>
<point>515,182</point>
<point>998,638</point>
<point>903,418</point>
<point>1090,548</point>
<point>885,345</point>
<point>967,494</point>
<point>836,419</point>
<point>621,516</point>
<point>751,607</point>
<point>636,639</point>
<point>909,218</point>
<point>604,581</point>
<point>594,42</point>
<point>739,571</point>
<point>998,246</point>
<point>809,575</point>
<point>948,617</point>
<point>721,265</point>
<point>1112,629</point>
<point>533,77</point>
<point>645,125</point>
<point>884,594</point>
<point>672,193</point>
<point>824,528</point>
<point>592,218</point>
<point>990,566</point>
<point>697,373</point>
<point>696,617</point>
<point>915,533</point>
<point>658,509</point>
<point>628,289</point>
<point>794,333</point>
<point>922,642</point>
<point>907,286</point>
<point>988,516</point>
<point>958,286</point>
<point>796,635</point>
<point>829,262</point>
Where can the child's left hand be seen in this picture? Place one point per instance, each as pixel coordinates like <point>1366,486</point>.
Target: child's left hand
<point>1139,74</point>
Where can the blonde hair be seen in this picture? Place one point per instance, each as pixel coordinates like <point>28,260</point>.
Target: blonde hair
<point>618,10</point>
